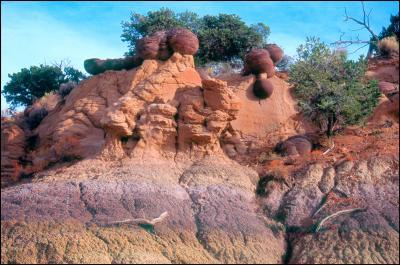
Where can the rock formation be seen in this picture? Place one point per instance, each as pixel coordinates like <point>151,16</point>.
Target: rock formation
<point>261,62</point>
<point>295,145</point>
<point>258,61</point>
<point>133,144</point>
<point>97,66</point>
<point>386,72</point>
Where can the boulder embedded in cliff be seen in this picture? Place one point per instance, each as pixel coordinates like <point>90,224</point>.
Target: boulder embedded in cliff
<point>262,88</point>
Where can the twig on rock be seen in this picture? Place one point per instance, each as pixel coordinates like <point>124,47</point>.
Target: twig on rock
<point>330,149</point>
<point>143,221</point>
<point>320,224</point>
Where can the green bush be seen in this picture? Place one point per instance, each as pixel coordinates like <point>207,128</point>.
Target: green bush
<point>222,38</point>
<point>30,84</point>
<point>332,90</point>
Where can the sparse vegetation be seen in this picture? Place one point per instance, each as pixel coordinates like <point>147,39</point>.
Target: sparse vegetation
<point>332,90</point>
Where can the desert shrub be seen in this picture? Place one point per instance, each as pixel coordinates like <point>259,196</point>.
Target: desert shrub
<point>221,37</point>
<point>388,46</point>
<point>332,90</point>
<point>66,88</point>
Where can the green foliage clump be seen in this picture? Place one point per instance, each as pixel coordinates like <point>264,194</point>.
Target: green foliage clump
<point>222,38</point>
<point>30,84</point>
<point>393,29</point>
<point>332,90</point>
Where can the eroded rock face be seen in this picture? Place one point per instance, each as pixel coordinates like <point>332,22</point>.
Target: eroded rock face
<point>13,144</point>
<point>160,108</point>
<point>386,71</point>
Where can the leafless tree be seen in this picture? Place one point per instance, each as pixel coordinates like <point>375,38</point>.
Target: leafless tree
<point>364,22</point>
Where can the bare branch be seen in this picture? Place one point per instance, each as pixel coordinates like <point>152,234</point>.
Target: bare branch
<point>330,149</point>
<point>368,17</point>
<point>363,8</point>
<point>350,42</point>
<point>342,33</point>
<point>364,22</point>
<point>357,29</point>
<point>359,48</point>
<point>320,224</point>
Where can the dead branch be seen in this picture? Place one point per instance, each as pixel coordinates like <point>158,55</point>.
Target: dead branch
<point>364,22</point>
<point>143,221</point>
<point>320,224</point>
<point>330,149</point>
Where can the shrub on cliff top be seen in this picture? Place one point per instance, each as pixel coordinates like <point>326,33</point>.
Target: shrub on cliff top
<point>332,90</point>
<point>388,46</point>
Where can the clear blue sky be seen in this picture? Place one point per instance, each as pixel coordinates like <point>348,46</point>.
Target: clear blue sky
<point>37,32</point>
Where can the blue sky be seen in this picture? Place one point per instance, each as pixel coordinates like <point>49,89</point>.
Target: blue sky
<point>37,32</point>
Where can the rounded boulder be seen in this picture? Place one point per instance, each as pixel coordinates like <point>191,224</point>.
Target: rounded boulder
<point>183,41</point>
<point>275,52</point>
<point>258,61</point>
<point>263,88</point>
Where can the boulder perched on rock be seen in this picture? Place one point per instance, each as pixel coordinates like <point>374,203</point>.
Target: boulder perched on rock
<point>183,41</point>
<point>275,52</point>
<point>96,66</point>
<point>258,61</point>
<point>263,88</point>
